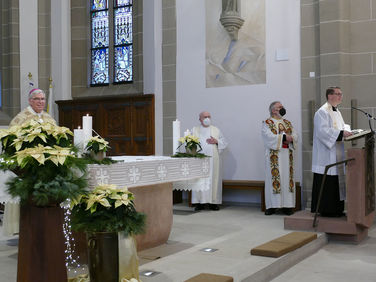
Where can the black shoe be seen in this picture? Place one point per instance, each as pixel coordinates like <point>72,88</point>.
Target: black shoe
<point>270,211</point>
<point>199,207</point>
<point>214,207</point>
<point>288,211</point>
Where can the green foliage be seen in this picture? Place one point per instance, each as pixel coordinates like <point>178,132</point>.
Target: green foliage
<point>124,218</point>
<point>47,183</point>
<point>187,155</point>
<point>106,161</point>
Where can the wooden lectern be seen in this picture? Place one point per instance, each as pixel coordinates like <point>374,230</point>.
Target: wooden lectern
<point>360,184</point>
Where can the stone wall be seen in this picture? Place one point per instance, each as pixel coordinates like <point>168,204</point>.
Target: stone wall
<point>338,47</point>
<point>168,71</point>
<point>9,60</point>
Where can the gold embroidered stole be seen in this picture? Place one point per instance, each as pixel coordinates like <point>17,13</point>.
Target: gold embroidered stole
<point>286,127</point>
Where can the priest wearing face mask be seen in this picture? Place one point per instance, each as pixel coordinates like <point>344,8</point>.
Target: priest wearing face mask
<point>280,141</point>
<point>328,148</point>
<point>212,143</point>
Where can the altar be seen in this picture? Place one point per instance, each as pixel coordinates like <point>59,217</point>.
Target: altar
<point>151,179</point>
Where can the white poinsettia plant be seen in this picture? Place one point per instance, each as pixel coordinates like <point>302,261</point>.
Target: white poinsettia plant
<point>36,141</point>
<point>97,144</point>
<point>43,157</point>
<point>107,195</point>
<point>107,208</point>
<point>191,143</point>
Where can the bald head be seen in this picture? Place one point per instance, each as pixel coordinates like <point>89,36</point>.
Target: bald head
<point>204,117</point>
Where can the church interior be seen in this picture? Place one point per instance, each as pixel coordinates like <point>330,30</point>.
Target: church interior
<point>140,67</point>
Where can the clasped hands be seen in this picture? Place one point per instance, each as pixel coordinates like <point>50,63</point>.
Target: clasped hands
<point>289,138</point>
<point>211,140</point>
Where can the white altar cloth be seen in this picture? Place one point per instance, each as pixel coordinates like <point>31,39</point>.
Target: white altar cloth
<point>133,171</point>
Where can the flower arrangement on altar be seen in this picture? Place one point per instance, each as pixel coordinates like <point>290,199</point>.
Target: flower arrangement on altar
<point>96,150</point>
<point>97,144</point>
<point>192,147</point>
<point>107,208</point>
<point>44,160</point>
<point>191,143</point>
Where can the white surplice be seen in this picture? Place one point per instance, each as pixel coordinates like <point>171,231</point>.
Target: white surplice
<point>326,150</point>
<point>213,195</point>
<point>279,163</point>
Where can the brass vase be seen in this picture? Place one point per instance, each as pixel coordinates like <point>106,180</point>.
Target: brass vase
<point>103,256</point>
<point>191,150</point>
<point>98,156</point>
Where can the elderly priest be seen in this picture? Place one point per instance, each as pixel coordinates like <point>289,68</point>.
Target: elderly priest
<point>37,102</point>
<point>280,140</point>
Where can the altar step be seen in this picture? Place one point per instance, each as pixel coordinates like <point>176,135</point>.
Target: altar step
<point>337,228</point>
<point>248,268</point>
<point>230,234</point>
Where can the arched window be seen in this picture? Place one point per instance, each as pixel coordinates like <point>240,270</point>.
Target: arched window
<point>111,24</point>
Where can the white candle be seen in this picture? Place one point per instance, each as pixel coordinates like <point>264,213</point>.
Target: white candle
<point>175,135</point>
<point>187,132</point>
<point>87,124</point>
<point>79,138</point>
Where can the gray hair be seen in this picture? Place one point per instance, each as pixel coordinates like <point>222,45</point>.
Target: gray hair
<point>271,107</point>
<point>36,91</point>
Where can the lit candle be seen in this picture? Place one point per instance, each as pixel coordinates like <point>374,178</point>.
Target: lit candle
<point>187,132</point>
<point>87,124</point>
<point>79,138</point>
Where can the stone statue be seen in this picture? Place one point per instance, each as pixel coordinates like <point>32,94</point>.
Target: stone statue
<point>230,18</point>
<point>230,6</point>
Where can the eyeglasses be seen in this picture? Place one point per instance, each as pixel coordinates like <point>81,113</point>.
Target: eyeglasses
<point>38,99</point>
<point>338,94</point>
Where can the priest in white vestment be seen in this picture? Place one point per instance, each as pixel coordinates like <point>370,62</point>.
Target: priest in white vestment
<point>212,143</point>
<point>328,148</point>
<point>280,141</point>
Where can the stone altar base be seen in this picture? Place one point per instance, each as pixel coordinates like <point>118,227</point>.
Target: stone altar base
<point>156,202</point>
<point>337,228</point>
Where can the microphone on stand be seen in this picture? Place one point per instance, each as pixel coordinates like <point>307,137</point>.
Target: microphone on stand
<point>367,115</point>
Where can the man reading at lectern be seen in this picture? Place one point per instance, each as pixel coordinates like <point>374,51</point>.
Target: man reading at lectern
<point>328,148</point>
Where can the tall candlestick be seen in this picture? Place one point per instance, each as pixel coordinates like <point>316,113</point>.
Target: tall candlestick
<point>175,135</point>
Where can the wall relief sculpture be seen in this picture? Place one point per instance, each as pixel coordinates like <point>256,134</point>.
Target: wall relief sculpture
<point>235,42</point>
<point>230,18</point>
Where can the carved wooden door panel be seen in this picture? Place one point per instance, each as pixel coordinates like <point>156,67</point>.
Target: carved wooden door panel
<point>117,127</point>
<point>126,122</point>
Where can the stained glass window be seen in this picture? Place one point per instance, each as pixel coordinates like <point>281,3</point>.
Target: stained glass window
<point>123,61</point>
<point>119,56</point>
<point>97,5</point>
<point>99,42</point>
<point>99,66</point>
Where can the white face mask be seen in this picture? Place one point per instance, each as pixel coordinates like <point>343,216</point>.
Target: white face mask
<point>206,121</point>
